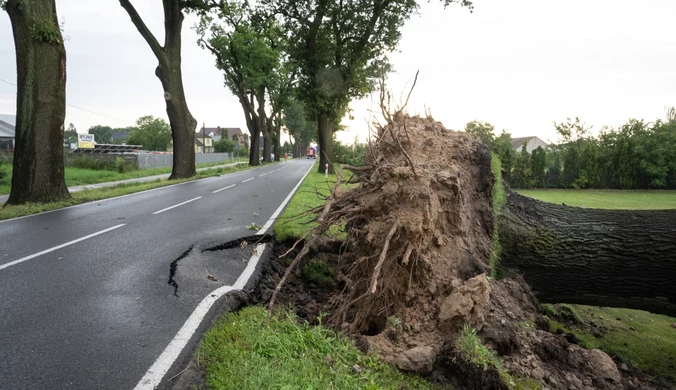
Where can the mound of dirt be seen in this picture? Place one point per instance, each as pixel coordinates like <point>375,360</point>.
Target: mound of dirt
<point>413,269</point>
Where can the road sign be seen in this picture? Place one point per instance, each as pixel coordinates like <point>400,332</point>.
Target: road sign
<point>85,141</point>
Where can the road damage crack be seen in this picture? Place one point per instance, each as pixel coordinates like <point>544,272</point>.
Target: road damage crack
<point>172,269</point>
<point>255,239</point>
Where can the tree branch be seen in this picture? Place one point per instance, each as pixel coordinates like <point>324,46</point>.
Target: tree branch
<point>155,46</point>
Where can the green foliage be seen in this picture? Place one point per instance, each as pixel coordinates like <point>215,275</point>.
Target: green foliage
<point>151,133</point>
<point>248,350</point>
<point>503,147</point>
<point>302,130</point>
<point>498,201</point>
<point>93,164</point>
<point>319,272</point>
<point>483,130</point>
<point>70,135</point>
<point>553,174</point>
<point>46,31</point>
<point>522,174</point>
<point>538,158</point>
<point>224,146</point>
<point>3,173</point>
<point>101,133</point>
<point>349,154</point>
<point>470,347</point>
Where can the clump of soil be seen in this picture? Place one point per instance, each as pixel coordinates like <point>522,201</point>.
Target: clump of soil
<point>413,268</point>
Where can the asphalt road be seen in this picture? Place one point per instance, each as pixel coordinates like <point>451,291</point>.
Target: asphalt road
<point>95,313</point>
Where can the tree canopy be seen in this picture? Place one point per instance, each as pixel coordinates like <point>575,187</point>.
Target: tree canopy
<point>152,133</point>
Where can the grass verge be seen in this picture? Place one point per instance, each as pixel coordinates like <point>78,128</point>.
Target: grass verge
<point>80,176</point>
<point>249,350</point>
<point>499,200</point>
<point>636,337</point>
<point>291,225</point>
<point>89,195</point>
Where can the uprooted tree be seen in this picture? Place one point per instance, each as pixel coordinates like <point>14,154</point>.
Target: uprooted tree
<point>420,233</point>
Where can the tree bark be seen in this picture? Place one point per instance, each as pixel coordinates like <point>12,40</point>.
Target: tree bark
<point>169,72</point>
<point>263,124</point>
<point>325,143</point>
<point>41,103</point>
<point>615,258</point>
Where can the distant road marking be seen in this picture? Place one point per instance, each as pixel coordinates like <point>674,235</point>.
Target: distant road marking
<point>21,260</point>
<point>159,369</point>
<point>244,181</point>
<point>176,205</point>
<point>263,174</point>
<point>225,188</point>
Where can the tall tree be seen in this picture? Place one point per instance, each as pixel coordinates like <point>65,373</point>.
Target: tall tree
<point>247,50</point>
<point>41,102</point>
<point>101,133</point>
<point>341,48</point>
<point>484,130</point>
<point>538,158</point>
<point>169,72</point>
<point>152,133</point>
<point>70,135</point>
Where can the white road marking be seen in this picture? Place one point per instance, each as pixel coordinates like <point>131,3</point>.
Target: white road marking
<point>225,188</point>
<point>159,369</point>
<point>249,179</point>
<point>263,174</point>
<point>21,260</point>
<point>176,205</point>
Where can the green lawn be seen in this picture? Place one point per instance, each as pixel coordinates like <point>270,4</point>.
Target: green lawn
<point>608,199</point>
<point>89,195</point>
<point>289,225</point>
<point>651,346</point>
<point>79,176</point>
<point>247,350</point>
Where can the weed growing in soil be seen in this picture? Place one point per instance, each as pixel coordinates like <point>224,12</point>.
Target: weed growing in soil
<point>319,272</point>
<point>469,345</point>
<point>249,350</point>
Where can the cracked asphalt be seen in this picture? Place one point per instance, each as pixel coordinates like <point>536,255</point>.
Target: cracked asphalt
<point>85,299</point>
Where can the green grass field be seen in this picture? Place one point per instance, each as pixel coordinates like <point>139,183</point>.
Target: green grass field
<point>651,345</point>
<point>607,199</point>
<point>89,195</point>
<point>79,176</point>
<point>290,225</point>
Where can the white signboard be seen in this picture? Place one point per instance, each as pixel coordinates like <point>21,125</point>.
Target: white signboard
<point>85,141</point>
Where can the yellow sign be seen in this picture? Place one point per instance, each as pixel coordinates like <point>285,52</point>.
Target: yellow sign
<point>85,141</point>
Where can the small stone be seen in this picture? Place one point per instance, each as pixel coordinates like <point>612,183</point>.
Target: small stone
<point>574,381</point>
<point>502,322</point>
<point>538,373</point>
<point>624,367</point>
<point>328,360</point>
<point>600,317</point>
<point>511,315</point>
<point>673,325</point>
<point>418,359</point>
<point>636,381</point>
<point>553,382</point>
<point>356,369</point>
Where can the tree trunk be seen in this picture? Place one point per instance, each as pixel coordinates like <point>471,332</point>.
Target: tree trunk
<point>264,125</point>
<point>41,103</point>
<point>325,143</point>
<point>169,72</point>
<point>616,258</point>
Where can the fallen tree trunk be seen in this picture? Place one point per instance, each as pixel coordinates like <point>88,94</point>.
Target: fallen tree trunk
<point>616,258</point>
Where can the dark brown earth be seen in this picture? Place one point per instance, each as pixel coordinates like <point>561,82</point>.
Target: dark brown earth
<point>419,238</point>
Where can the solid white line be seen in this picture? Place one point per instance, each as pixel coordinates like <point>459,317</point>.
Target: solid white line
<point>225,188</point>
<point>176,205</point>
<point>21,260</point>
<point>249,179</point>
<point>159,369</point>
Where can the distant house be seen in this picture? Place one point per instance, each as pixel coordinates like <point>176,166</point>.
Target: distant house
<point>7,125</point>
<point>531,142</point>
<point>217,133</point>
<point>203,145</point>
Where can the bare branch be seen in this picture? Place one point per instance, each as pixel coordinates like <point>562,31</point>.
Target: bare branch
<point>157,49</point>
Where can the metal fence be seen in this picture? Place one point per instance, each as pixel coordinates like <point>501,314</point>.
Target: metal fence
<point>145,161</point>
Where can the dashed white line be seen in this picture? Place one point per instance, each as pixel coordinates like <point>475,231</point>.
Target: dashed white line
<point>159,369</point>
<point>21,260</point>
<point>176,205</point>
<point>224,188</point>
<point>249,179</point>
<point>263,174</point>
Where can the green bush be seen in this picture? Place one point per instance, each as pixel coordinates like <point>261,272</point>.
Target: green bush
<point>92,164</point>
<point>3,173</point>
<point>349,154</point>
<point>319,272</point>
<point>123,165</point>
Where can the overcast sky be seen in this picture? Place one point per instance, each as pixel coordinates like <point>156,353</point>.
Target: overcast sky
<point>519,65</point>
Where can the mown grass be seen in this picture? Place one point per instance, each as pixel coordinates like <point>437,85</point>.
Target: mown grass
<point>607,199</point>
<point>89,195</point>
<point>291,225</point>
<point>248,350</point>
<point>651,345</point>
<point>80,176</point>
